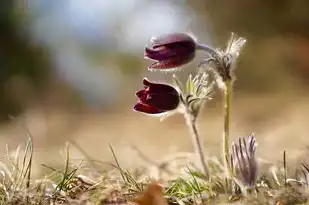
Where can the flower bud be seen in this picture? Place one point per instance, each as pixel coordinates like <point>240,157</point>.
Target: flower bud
<point>156,98</point>
<point>244,160</point>
<point>171,51</point>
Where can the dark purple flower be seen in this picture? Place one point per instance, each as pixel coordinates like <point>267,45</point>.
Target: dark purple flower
<point>156,98</point>
<point>171,51</point>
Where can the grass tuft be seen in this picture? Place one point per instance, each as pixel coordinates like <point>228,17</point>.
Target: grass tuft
<point>80,183</point>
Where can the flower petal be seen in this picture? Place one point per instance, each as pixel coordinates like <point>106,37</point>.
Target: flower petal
<point>163,101</point>
<point>141,107</point>
<point>171,38</point>
<point>146,82</point>
<point>159,54</point>
<point>171,63</point>
<point>169,51</point>
<point>155,88</point>
<point>142,95</point>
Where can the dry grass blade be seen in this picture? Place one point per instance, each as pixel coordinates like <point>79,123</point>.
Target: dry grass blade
<point>117,164</point>
<point>29,147</point>
<point>285,168</point>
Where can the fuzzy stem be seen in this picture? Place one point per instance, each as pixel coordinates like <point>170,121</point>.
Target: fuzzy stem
<point>207,49</point>
<point>197,141</point>
<point>226,133</point>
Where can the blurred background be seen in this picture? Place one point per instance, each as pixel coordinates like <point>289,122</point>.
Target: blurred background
<point>69,70</point>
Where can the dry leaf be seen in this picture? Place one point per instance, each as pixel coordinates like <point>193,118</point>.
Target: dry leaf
<point>154,195</point>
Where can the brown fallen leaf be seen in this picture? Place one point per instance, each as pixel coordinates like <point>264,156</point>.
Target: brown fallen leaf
<point>154,195</point>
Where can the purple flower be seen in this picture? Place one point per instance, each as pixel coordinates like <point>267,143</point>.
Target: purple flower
<point>156,98</point>
<point>171,51</point>
<point>244,160</point>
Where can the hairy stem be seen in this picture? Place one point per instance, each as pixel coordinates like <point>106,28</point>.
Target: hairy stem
<point>226,132</point>
<point>207,49</point>
<point>197,142</point>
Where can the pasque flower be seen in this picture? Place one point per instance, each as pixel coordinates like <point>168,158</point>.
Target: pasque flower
<point>156,98</point>
<point>244,161</point>
<point>170,51</point>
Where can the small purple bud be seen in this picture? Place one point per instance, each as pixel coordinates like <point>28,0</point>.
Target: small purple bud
<point>244,160</point>
<point>156,98</point>
<point>171,51</point>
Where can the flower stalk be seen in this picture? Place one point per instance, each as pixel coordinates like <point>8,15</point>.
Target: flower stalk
<point>193,97</point>
<point>222,64</point>
<point>226,131</point>
<point>208,49</point>
<point>197,141</point>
